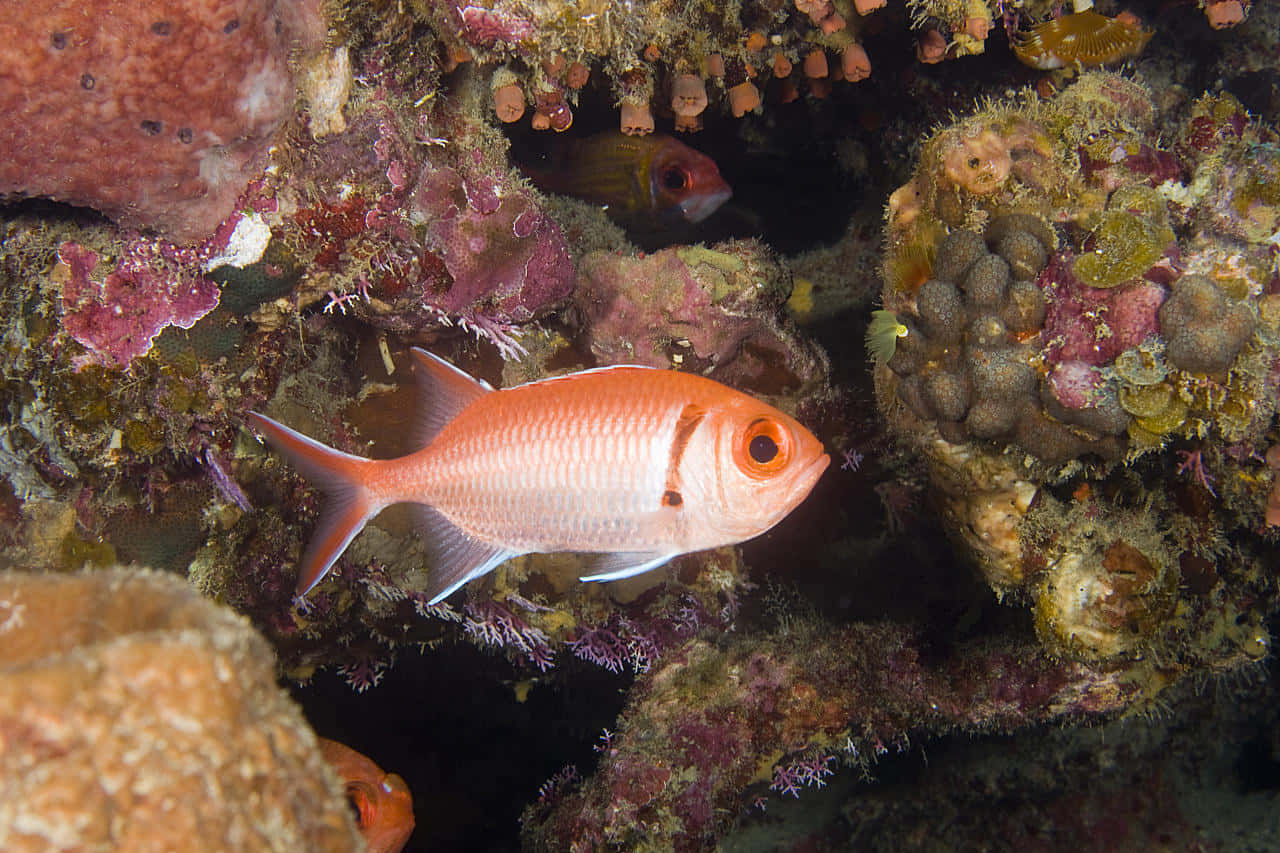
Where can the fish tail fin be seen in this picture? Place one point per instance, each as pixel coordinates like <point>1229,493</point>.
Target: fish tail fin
<point>342,477</point>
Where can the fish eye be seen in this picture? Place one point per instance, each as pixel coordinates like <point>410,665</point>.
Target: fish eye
<point>763,448</point>
<point>361,803</point>
<point>675,178</point>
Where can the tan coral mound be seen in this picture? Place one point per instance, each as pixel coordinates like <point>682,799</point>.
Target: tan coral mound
<point>135,715</point>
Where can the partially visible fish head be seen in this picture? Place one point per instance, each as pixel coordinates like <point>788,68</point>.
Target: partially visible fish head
<point>766,463</point>
<point>686,182</point>
<point>381,801</point>
<point>384,811</point>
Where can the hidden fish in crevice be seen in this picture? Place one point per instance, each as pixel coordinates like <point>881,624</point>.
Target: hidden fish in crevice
<point>644,182</point>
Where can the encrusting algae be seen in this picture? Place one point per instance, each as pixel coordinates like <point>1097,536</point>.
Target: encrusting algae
<point>1040,358</point>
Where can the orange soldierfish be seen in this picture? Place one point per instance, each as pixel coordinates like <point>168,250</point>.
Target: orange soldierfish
<point>634,464</point>
<point>383,804</point>
<point>637,178</point>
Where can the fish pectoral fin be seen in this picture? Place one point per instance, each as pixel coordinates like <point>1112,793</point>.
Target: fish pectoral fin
<point>625,564</point>
<point>456,556</point>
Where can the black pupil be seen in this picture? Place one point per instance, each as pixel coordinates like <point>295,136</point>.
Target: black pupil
<point>674,179</point>
<point>763,449</point>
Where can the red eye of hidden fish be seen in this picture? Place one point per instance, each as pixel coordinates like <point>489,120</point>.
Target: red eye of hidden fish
<point>630,464</point>
<point>359,796</point>
<point>382,803</point>
<point>675,179</point>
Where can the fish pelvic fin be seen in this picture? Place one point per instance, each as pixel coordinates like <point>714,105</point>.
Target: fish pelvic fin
<point>624,564</point>
<point>444,391</point>
<point>456,556</point>
<point>341,477</point>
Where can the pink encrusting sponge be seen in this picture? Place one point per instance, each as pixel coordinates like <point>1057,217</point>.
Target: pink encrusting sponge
<point>154,113</point>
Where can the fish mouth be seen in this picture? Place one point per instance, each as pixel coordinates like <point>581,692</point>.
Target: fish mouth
<point>698,207</point>
<point>808,479</point>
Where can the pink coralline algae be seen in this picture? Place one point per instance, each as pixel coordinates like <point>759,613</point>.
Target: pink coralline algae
<point>508,259</point>
<point>156,115</point>
<point>1094,325</point>
<point>502,24</point>
<point>717,310</point>
<point>119,317</point>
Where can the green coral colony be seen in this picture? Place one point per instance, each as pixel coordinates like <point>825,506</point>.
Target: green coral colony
<point>1085,320</point>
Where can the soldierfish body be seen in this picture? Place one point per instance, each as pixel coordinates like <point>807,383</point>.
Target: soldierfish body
<point>634,464</point>
<point>637,178</point>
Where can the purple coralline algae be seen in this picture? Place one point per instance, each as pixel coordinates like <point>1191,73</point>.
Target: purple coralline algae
<point>713,309</point>
<point>1061,322</point>
<point>708,725</point>
<point>119,317</point>
<point>507,257</point>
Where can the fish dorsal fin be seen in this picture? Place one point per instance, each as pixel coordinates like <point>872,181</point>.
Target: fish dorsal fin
<point>456,557</point>
<point>624,564</point>
<point>445,390</point>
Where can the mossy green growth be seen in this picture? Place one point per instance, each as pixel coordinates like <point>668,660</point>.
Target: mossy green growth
<point>88,396</point>
<point>703,676</point>
<point>78,553</point>
<point>245,289</point>
<point>144,437</point>
<point>1125,246</point>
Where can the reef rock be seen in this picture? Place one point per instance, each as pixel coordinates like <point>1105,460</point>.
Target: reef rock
<point>135,715</point>
<point>1078,311</point>
<point>717,310</point>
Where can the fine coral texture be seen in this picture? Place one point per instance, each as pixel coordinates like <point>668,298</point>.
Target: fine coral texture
<point>125,699</point>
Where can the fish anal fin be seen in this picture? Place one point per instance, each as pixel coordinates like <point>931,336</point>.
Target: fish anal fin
<point>456,557</point>
<point>343,516</point>
<point>624,564</point>
<point>444,391</point>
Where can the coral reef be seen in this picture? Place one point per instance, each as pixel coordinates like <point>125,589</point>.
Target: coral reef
<point>131,363</point>
<point>1114,785</point>
<point>714,310</point>
<point>1084,308</point>
<point>119,318</point>
<point>158,119</point>
<point>137,715</point>
<point>1076,368</point>
<point>787,710</point>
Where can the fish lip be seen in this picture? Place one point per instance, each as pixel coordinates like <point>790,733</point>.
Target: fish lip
<point>809,478</point>
<point>698,208</point>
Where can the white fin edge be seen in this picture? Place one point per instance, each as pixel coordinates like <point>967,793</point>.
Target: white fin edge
<point>625,564</point>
